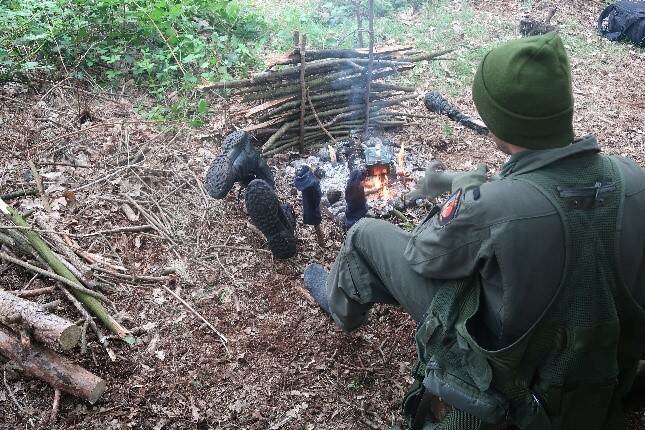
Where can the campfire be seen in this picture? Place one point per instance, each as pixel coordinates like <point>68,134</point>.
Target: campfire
<point>388,175</point>
<point>378,159</point>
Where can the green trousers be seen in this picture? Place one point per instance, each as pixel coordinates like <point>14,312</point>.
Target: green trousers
<point>370,268</point>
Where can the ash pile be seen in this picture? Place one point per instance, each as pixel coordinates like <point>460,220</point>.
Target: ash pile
<point>377,169</point>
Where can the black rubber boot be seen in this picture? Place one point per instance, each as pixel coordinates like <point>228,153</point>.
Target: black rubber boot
<point>316,284</point>
<point>355,198</point>
<point>275,221</point>
<point>238,162</point>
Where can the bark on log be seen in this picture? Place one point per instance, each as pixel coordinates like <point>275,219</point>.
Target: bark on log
<point>44,326</point>
<point>52,368</point>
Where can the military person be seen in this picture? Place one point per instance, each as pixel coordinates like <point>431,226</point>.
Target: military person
<point>527,289</point>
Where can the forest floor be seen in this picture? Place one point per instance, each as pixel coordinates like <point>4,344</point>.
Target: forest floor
<point>286,366</point>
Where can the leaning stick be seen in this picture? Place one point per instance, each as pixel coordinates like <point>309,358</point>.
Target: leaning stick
<point>370,64</point>
<point>320,124</point>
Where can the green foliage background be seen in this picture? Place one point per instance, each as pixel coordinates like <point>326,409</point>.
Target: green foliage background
<point>159,44</point>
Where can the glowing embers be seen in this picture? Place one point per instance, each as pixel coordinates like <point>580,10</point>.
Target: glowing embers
<point>376,182</point>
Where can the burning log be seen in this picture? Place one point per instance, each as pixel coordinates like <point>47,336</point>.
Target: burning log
<point>435,102</point>
<point>44,326</point>
<point>52,368</point>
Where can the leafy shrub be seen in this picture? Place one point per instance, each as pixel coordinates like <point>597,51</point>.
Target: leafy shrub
<point>159,43</point>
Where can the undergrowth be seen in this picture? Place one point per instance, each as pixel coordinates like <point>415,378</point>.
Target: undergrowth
<point>170,46</point>
<point>157,43</point>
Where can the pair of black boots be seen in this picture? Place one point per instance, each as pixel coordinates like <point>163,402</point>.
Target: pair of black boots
<point>241,162</point>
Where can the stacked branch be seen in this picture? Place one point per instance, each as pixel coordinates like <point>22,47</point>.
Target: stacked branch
<point>344,91</point>
<point>28,330</point>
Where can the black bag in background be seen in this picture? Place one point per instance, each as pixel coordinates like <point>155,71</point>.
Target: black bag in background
<point>624,20</point>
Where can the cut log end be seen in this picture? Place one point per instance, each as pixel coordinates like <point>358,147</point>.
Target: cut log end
<point>70,337</point>
<point>52,368</point>
<point>97,391</point>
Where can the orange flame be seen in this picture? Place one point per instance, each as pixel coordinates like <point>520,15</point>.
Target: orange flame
<point>377,183</point>
<point>332,153</point>
<point>400,161</point>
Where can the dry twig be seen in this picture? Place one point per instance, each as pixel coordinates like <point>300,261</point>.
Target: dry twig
<point>198,315</point>
<point>39,184</point>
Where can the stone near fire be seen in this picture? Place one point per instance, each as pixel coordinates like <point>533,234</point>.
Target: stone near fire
<point>333,196</point>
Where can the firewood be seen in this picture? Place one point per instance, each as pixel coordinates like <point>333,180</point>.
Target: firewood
<point>341,86</point>
<point>52,368</point>
<point>302,40</point>
<point>273,76</point>
<point>384,52</point>
<point>93,304</point>
<point>44,326</point>
<point>336,81</point>
<point>323,101</point>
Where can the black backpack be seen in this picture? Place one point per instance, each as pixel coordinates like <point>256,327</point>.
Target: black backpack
<point>624,20</point>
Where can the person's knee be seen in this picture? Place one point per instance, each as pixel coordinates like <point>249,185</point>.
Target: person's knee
<point>367,232</point>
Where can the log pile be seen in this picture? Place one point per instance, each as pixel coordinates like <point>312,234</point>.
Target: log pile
<point>30,333</point>
<point>326,88</point>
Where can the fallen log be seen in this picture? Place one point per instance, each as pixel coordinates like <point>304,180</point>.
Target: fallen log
<point>52,368</point>
<point>43,326</point>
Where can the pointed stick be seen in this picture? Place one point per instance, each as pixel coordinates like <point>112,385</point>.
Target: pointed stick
<point>368,76</point>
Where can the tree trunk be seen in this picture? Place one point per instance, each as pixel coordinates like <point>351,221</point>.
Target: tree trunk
<point>44,326</point>
<point>52,368</point>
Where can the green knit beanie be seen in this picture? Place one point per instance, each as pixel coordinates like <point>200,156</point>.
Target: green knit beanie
<point>522,91</point>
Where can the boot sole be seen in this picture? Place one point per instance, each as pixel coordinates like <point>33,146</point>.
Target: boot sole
<point>220,177</point>
<point>266,214</point>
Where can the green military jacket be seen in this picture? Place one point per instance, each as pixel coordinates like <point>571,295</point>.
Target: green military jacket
<point>511,235</point>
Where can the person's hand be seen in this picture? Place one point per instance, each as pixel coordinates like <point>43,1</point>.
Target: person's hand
<point>470,179</point>
<point>436,182</point>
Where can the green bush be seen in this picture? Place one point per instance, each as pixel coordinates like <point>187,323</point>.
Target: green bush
<point>158,43</point>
